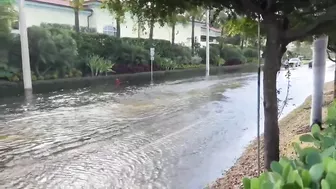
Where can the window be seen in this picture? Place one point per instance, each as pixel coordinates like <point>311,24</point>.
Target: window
<point>110,30</point>
<point>211,39</point>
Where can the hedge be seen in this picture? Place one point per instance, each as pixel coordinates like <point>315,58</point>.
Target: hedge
<point>314,167</point>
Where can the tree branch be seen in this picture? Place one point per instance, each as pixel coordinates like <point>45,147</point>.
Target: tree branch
<point>253,8</point>
<point>329,57</point>
<point>297,33</point>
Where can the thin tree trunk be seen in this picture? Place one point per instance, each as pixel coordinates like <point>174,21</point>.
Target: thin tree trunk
<point>242,40</point>
<point>319,64</point>
<point>118,27</point>
<point>151,29</point>
<point>139,28</point>
<point>77,29</point>
<point>271,128</point>
<point>173,34</point>
<point>335,83</point>
<point>193,35</point>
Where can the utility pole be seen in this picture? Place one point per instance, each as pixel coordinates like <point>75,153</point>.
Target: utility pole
<point>207,67</point>
<point>319,65</point>
<point>27,82</point>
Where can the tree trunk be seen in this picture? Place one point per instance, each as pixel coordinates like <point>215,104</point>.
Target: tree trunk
<point>271,128</point>
<point>242,40</point>
<point>173,34</point>
<point>335,83</point>
<point>139,28</point>
<point>193,35</point>
<point>77,29</point>
<point>319,64</point>
<point>118,27</point>
<point>151,29</point>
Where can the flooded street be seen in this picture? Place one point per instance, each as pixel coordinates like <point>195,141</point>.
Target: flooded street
<point>177,134</point>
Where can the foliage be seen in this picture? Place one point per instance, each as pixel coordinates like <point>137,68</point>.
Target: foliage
<point>98,65</point>
<point>117,8</point>
<point>7,16</point>
<point>196,60</point>
<point>250,53</point>
<point>314,166</point>
<point>214,55</point>
<point>7,72</point>
<point>220,54</point>
<point>232,52</point>
<point>51,50</point>
<point>246,27</point>
<point>68,27</point>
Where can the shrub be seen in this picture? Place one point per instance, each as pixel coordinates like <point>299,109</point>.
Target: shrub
<point>314,167</point>
<point>50,50</point>
<point>232,52</point>
<point>250,53</point>
<point>98,65</point>
<point>214,55</point>
<point>196,60</point>
<point>68,27</point>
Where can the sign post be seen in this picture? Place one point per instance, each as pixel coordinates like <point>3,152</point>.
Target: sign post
<point>152,53</point>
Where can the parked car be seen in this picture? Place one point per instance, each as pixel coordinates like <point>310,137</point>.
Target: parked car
<point>294,62</point>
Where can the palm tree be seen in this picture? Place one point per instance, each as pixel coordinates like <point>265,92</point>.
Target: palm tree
<point>117,8</point>
<point>174,19</point>
<point>7,16</point>
<point>77,5</point>
<point>195,13</point>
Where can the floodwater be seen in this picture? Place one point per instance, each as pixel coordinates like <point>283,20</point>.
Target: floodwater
<point>177,134</point>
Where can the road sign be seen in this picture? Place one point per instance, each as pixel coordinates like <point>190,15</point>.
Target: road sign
<point>152,53</point>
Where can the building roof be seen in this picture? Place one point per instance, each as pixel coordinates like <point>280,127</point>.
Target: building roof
<point>62,3</point>
<point>66,3</point>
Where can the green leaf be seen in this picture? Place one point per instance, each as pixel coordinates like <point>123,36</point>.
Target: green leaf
<point>325,184</point>
<point>306,178</point>
<point>328,142</point>
<point>276,167</point>
<point>316,172</point>
<point>286,171</point>
<point>331,167</point>
<point>307,138</point>
<point>246,183</point>
<point>313,158</point>
<point>274,177</point>
<point>267,185</point>
<point>331,178</point>
<point>316,131</point>
<point>291,186</point>
<point>255,183</point>
<point>328,152</point>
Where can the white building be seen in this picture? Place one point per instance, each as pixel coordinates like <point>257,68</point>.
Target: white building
<point>93,16</point>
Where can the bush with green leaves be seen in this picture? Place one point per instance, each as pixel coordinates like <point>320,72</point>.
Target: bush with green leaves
<point>314,167</point>
<point>68,27</point>
<point>232,52</point>
<point>99,65</point>
<point>250,53</point>
<point>214,55</point>
<point>51,51</point>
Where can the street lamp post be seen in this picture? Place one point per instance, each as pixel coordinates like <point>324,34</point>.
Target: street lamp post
<point>27,82</point>
<point>207,68</point>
